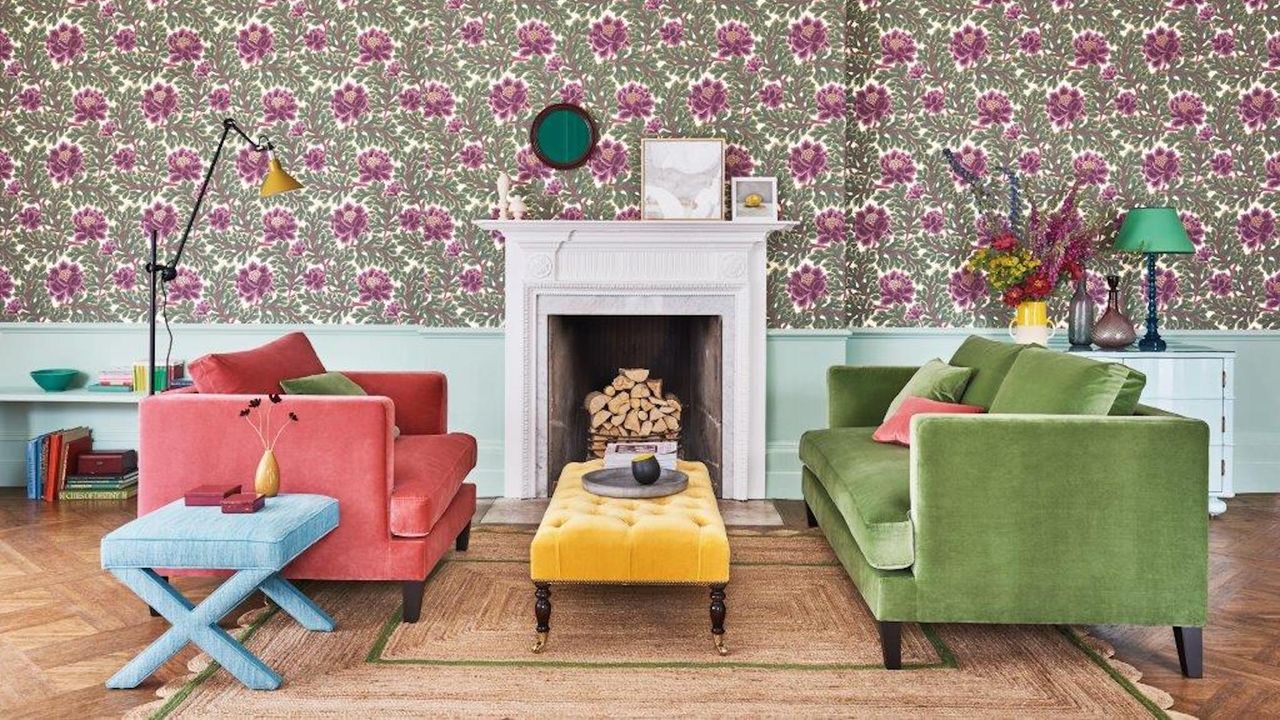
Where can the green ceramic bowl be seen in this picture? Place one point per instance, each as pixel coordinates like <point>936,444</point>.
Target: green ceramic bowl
<point>54,379</point>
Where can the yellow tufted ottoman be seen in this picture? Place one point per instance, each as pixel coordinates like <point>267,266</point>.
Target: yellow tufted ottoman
<point>674,540</point>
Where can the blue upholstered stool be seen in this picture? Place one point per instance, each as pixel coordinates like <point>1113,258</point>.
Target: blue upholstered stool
<point>255,545</point>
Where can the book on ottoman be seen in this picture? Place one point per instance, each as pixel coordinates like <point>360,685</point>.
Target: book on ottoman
<point>244,503</point>
<point>212,494</point>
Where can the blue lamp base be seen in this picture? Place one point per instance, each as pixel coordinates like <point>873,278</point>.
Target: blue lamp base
<point>1152,342</point>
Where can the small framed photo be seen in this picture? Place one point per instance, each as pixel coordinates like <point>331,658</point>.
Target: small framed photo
<point>682,179</point>
<point>754,199</point>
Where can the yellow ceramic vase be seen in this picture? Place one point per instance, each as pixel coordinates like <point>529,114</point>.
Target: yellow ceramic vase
<point>266,480</point>
<point>1030,323</point>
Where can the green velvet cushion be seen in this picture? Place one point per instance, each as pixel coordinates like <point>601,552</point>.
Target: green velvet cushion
<point>329,383</point>
<point>1127,399</point>
<point>935,380</point>
<point>867,482</point>
<point>1057,383</point>
<point>990,361</point>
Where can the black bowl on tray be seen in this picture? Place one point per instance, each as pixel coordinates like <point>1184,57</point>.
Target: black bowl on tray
<point>620,483</point>
<point>645,469</point>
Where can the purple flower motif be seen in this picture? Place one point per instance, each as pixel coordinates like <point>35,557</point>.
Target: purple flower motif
<point>278,225</point>
<point>971,158</point>
<point>161,218</point>
<point>1270,288</point>
<point>471,156</point>
<point>1257,108</point>
<point>64,281</point>
<point>897,46</point>
<point>897,168</point>
<point>573,212</point>
<point>64,162</point>
<point>1029,162</point>
<point>1273,51</point>
<point>1186,110</point>
<point>535,38</point>
<point>934,101</point>
<point>349,103</point>
<point>1256,228</point>
<point>1224,43</point>
<point>184,46</point>
<point>628,213</point>
<point>184,165</point>
<point>1126,103</point>
<point>373,285</point>
<point>1272,169</point>
<point>349,221</point>
<point>411,219</point>
<point>508,98</point>
<point>6,284</point>
<point>608,35</point>
<point>29,98</point>
<point>159,102</point>
<point>932,221</point>
<point>529,167</point>
<point>437,100</point>
<point>968,45</point>
<point>255,42</point>
<point>1194,227</point>
<point>1166,286</point>
<point>806,285</point>
<point>807,160</point>
<point>1090,168</point>
<point>994,108</point>
<point>124,158</point>
<point>1222,163</point>
<point>374,165</point>
<point>278,105</point>
<point>1030,43</point>
<point>1064,106</point>
<point>653,126</point>
<point>734,39</point>
<point>471,280</point>
<point>90,106</point>
<point>1160,167</point>
<point>830,226</point>
<point>830,100</point>
<point>314,38</point>
<point>1091,48</point>
<point>253,282</point>
<point>807,38</point>
<point>64,43</point>
<point>187,286</point>
<point>437,224</point>
<point>608,160</point>
<point>671,32</point>
<point>220,99</point>
<point>375,46</point>
<point>1161,47</point>
<point>572,93</point>
<point>6,166</point>
<point>313,278</point>
<point>896,288</point>
<point>88,224</point>
<point>634,101</point>
<point>771,95</point>
<point>410,99</point>
<point>251,166</point>
<point>1220,283</point>
<point>966,288</point>
<point>29,217</point>
<point>707,99</point>
<point>314,158</point>
<point>737,162</point>
<point>870,225</point>
<point>6,48</point>
<point>472,32</point>
<point>219,218</point>
<point>872,103</point>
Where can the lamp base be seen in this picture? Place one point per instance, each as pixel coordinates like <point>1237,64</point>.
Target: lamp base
<point>1152,343</point>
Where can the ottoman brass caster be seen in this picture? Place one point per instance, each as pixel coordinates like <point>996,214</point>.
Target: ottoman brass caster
<point>540,643</point>
<point>720,648</point>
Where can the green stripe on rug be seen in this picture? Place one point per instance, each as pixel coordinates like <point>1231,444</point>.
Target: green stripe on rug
<point>1121,680</point>
<point>185,691</point>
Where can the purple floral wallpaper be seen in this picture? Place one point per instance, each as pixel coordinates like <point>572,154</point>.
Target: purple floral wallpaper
<point>397,116</point>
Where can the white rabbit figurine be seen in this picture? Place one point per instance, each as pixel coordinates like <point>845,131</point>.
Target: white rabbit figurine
<point>516,204</point>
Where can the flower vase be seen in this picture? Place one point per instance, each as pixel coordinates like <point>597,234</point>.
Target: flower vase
<point>1031,323</point>
<point>1113,330</point>
<point>266,481</point>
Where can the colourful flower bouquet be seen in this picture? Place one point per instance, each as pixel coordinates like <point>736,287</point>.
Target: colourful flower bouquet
<point>1026,260</point>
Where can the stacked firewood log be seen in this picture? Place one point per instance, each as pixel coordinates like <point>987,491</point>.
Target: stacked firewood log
<point>631,408</point>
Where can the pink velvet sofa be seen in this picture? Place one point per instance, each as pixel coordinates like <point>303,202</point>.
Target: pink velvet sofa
<point>402,500</point>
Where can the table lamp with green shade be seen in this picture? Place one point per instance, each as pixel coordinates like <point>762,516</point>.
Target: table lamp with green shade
<point>1153,230</point>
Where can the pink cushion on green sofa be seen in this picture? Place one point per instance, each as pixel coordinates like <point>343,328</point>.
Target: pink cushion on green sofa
<point>897,429</point>
<point>257,371</point>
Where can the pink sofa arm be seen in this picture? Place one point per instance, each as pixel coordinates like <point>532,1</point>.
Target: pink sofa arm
<point>421,398</point>
<point>340,447</point>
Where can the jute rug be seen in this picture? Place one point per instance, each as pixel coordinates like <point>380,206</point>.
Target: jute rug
<point>801,644</point>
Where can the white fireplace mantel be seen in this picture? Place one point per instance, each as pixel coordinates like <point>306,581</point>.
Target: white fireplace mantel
<point>647,267</point>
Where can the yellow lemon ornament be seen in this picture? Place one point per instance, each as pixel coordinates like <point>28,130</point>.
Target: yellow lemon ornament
<point>754,200</point>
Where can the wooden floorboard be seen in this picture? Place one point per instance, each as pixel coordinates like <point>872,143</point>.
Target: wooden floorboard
<point>65,625</point>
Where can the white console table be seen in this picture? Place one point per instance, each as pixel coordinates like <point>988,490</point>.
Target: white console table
<point>1198,382</point>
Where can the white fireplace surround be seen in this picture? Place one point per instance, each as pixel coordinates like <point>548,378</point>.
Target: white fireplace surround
<point>654,267</point>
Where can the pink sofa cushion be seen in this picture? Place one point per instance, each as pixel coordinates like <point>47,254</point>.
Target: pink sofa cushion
<point>897,429</point>
<point>257,371</point>
<point>429,469</point>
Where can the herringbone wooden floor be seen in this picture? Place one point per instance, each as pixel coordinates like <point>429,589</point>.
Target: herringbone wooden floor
<point>65,625</point>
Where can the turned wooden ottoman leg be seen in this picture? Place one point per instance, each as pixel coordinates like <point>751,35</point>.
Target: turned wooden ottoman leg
<point>718,611</point>
<point>542,612</point>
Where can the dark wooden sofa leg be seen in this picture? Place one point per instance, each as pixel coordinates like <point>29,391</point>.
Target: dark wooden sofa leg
<point>808,515</point>
<point>1190,642</point>
<point>891,644</point>
<point>541,613</point>
<point>412,591</point>
<point>464,539</point>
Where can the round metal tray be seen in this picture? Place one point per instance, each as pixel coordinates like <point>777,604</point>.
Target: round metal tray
<point>619,483</point>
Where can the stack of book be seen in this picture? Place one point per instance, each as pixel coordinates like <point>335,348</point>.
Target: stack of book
<point>48,457</point>
<point>620,454</point>
<point>100,487</point>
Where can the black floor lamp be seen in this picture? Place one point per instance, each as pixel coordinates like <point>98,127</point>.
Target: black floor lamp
<point>277,181</point>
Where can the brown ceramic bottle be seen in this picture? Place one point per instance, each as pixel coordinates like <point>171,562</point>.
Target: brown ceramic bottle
<point>1113,330</point>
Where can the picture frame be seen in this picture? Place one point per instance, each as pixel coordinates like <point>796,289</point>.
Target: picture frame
<point>744,191</point>
<point>682,179</point>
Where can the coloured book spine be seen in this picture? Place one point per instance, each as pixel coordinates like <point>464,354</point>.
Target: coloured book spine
<point>123,494</point>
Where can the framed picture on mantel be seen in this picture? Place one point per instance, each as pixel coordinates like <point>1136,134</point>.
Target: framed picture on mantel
<point>682,179</point>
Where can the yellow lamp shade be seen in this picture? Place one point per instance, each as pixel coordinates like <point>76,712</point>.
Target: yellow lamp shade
<point>277,180</point>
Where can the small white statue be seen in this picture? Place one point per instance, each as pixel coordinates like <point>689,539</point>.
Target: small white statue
<point>504,188</point>
<point>517,207</point>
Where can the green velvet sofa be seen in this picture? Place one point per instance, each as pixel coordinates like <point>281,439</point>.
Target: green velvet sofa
<point>1012,518</point>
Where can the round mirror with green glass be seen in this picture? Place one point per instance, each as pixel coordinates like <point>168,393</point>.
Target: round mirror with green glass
<point>563,136</point>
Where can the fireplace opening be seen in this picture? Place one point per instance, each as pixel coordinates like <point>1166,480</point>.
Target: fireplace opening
<point>586,352</point>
